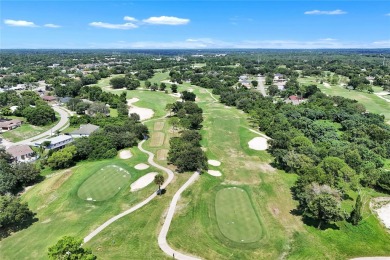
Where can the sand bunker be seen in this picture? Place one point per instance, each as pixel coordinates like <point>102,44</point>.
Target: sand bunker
<point>214,173</point>
<point>144,113</point>
<point>177,95</point>
<point>143,181</point>
<point>384,214</point>
<point>258,144</point>
<point>141,166</point>
<point>214,162</point>
<point>125,154</point>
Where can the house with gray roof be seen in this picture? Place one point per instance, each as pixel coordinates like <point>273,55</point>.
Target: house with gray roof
<point>57,142</point>
<point>84,131</point>
<point>21,153</point>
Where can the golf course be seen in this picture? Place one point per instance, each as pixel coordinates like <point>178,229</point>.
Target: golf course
<point>245,212</point>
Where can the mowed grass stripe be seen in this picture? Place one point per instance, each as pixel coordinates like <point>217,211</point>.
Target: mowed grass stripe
<point>157,139</point>
<point>236,217</point>
<point>104,184</point>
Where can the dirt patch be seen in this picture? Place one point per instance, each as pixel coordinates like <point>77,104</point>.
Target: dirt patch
<point>143,181</point>
<point>141,166</point>
<point>125,154</point>
<point>258,144</point>
<point>162,154</point>
<point>60,180</point>
<point>265,167</point>
<point>157,139</point>
<point>158,126</point>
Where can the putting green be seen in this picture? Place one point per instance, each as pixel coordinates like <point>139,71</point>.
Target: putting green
<point>104,183</point>
<point>236,217</point>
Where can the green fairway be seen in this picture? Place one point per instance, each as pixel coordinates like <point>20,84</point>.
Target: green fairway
<point>104,184</point>
<point>236,217</point>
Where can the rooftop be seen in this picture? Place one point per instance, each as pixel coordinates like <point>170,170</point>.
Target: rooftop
<point>85,129</point>
<point>19,150</point>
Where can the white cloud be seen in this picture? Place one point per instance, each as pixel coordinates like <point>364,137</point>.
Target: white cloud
<point>51,25</point>
<point>125,26</point>
<point>387,14</point>
<point>19,23</point>
<point>130,19</point>
<point>166,20</point>
<point>382,44</point>
<point>318,12</point>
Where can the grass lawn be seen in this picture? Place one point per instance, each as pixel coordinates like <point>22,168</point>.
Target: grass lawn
<point>104,184</point>
<point>113,112</point>
<point>236,217</point>
<point>60,211</point>
<point>26,131</point>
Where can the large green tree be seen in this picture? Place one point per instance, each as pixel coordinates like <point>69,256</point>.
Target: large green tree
<point>70,248</point>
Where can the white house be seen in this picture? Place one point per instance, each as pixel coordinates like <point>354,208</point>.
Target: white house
<point>56,142</point>
<point>21,153</point>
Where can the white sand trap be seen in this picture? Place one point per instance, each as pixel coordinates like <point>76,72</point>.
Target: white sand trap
<point>214,173</point>
<point>326,85</point>
<point>125,154</point>
<point>177,95</point>
<point>89,198</point>
<point>141,166</point>
<point>143,181</point>
<point>144,113</point>
<point>258,144</point>
<point>214,162</point>
<point>384,214</point>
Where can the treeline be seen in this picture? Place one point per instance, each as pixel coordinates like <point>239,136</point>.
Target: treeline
<point>114,134</point>
<point>185,151</point>
<point>14,214</point>
<point>29,105</point>
<point>332,143</point>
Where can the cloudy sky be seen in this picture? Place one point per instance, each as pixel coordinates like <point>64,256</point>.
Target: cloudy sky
<point>194,24</point>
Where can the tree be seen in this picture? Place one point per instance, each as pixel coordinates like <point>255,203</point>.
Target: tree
<point>25,173</point>
<point>356,214</point>
<point>322,203</point>
<point>118,82</point>
<point>174,88</point>
<point>163,86</point>
<point>159,180</point>
<point>188,96</point>
<point>174,122</point>
<point>254,83</point>
<point>273,90</point>
<point>70,248</point>
<point>98,107</point>
<point>14,214</point>
<point>62,158</point>
<point>123,110</point>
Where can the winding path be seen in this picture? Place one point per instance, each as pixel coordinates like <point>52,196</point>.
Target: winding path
<point>162,237</point>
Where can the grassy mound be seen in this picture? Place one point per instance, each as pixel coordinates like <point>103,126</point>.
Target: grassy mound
<point>236,217</point>
<point>104,184</point>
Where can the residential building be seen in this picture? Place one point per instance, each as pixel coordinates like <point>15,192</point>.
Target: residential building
<point>21,153</point>
<point>84,131</point>
<point>7,124</point>
<point>57,142</point>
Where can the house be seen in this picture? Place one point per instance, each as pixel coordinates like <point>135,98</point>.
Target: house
<point>295,100</point>
<point>64,100</point>
<point>57,142</point>
<point>49,98</point>
<point>278,77</point>
<point>6,124</point>
<point>21,153</point>
<point>84,131</point>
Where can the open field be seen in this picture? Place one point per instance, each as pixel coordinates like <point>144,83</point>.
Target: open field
<point>104,184</point>
<point>158,126</point>
<point>60,211</point>
<point>236,217</point>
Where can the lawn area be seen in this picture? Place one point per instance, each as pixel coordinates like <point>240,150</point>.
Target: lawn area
<point>26,131</point>
<point>60,211</point>
<point>104,184</point>
<point>236,217</point>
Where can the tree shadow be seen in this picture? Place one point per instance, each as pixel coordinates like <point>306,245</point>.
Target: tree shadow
<point>7,231</point>
<point>161,192</point>
<point>314,222</point>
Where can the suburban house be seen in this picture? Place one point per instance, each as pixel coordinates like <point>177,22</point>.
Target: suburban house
<point>57,142</point>
<point>295,100</point>
<point>49,98</point>
<point>21,153</point>
<point>7,124</point>
<point>84,131</point>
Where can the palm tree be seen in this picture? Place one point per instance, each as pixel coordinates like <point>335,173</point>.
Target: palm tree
<point>159,180</point>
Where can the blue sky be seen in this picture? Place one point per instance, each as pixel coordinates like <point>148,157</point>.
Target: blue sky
<point>194,24</point>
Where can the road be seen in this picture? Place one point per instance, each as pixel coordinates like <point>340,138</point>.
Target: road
<point>64,122</point>
<point>260,87</point>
